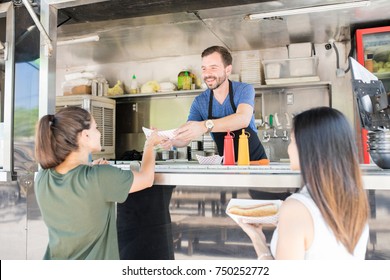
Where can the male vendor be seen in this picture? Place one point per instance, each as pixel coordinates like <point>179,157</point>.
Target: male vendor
<point>225,106</point>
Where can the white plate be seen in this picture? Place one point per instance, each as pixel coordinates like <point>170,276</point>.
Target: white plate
<point>253,220</point>
<point>164,133</point>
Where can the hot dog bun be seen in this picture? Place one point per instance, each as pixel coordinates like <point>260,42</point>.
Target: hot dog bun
<point>257,210</point>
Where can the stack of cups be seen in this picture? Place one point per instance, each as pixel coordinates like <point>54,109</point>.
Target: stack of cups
<point>209,146</point>
<point>196,149</point>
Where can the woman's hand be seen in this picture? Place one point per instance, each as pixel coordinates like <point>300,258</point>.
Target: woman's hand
<point>255,233</point>
<point>166,144</point>
<point>100,161</point>
<point>154,139</point>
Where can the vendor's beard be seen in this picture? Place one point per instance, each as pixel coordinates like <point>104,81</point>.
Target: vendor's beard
<point>220,81</point>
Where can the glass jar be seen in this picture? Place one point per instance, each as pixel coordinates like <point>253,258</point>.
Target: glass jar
<point>184,80</point>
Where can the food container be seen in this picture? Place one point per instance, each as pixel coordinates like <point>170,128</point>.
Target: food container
<point>78,90</point>
<point>303,67</point>
<point>300,50</point>
<point>209,160</point>
<point>77,87</point>
<point>253,220</point>
<point>291,70</point>
<point>184,80</point>
<point>272,70</point>
<point>99,88</point>
<point>163,133</point>
<point>195,153</point>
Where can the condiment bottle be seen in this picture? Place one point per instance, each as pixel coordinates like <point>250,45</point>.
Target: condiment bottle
<point>243,148</point>
<point>228,149</point>
<point>271,120</point>
<point>134,85</point>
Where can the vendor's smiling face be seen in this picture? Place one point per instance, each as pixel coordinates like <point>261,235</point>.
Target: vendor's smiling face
<point>214,72</point>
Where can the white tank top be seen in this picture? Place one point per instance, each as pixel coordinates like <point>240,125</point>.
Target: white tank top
<point>324,245</point>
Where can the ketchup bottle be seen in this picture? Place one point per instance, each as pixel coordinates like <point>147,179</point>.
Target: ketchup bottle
<point>228,149</point>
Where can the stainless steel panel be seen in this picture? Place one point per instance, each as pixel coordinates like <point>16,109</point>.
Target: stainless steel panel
<point>8,31</point>
<point>202,230</point>
<point>275,175</point>
<point>159,36</point>
<point>189,32</point>
<point>37,232</point>
<point>159,112</point>
<point>13,217</point>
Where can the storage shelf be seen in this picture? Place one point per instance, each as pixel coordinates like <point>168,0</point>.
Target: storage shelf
<point>184,93</point>
<point>176,93</point>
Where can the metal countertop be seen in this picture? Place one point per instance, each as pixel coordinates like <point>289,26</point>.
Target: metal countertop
<point>275,175</point>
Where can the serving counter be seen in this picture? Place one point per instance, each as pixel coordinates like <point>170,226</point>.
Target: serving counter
<point>275,175</point>
<point>200,195</point>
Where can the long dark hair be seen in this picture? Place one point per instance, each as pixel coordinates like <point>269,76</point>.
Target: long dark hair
<point>330,170</point>
<point>57,135</point>
<point>225,54</point>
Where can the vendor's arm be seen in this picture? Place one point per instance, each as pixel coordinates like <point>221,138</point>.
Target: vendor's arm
<point>194,129</point>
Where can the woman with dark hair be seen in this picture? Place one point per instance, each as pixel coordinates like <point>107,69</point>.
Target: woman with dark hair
<point>328,218</point>
<point>77,200</point>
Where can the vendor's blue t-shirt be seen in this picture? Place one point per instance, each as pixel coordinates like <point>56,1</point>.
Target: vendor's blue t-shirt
<point>242,93</point>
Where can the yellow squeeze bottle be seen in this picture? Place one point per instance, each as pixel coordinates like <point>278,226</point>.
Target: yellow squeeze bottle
<point>243,149</point>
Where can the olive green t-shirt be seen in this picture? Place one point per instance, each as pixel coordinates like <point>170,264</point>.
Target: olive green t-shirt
<point>79,210</point>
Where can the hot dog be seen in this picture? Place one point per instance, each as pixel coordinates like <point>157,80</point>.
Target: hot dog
<point>257,210</point>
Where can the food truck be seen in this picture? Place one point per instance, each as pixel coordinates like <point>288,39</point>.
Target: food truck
<point>136,64</point>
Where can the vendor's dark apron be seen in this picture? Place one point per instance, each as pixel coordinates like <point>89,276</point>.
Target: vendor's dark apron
<point>256,149</point>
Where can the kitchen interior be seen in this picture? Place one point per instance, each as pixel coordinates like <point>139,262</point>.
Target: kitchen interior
<point>123,61</point>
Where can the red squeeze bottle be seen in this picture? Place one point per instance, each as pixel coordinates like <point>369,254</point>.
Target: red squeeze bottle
<point>228,149</point>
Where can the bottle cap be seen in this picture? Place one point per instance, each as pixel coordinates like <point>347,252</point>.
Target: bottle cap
<point>134,76</point>
<point>229,135</point>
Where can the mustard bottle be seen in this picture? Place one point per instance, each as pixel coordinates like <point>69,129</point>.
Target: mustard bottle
<point>243,148</point>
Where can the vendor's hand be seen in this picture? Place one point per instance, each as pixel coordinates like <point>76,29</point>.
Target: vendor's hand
<point>154,139</point>
<point>100,161</point>
<point>189,131</point>
<point>166,144</point>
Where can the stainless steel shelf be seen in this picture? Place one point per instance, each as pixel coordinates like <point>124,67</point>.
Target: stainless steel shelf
<point>258,87</point>
<point>176,93</point>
